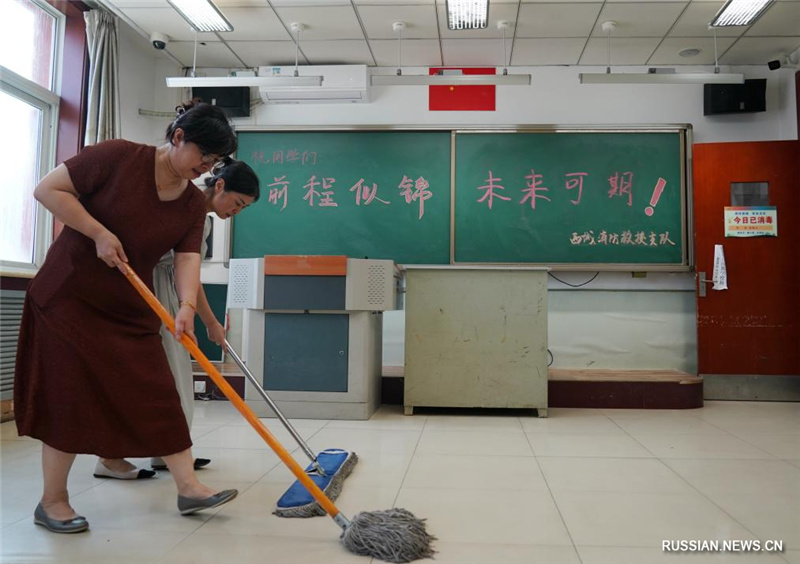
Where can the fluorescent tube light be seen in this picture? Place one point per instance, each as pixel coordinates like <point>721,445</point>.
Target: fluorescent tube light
<point>467,14</point>
<point>255,81</point>
<point>657,78</point>
<point>739,12</point>
<point>202,15</point>
<point>450,80</point>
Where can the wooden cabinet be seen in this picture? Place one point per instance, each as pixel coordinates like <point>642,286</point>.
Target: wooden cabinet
<point>476,337</point>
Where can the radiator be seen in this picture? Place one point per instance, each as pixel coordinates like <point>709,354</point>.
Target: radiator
<point>10,316</point>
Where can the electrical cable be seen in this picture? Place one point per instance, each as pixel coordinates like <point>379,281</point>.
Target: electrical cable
<point>596,274</point>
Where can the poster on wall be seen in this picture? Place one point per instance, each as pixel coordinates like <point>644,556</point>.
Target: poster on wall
<point>751,221</point>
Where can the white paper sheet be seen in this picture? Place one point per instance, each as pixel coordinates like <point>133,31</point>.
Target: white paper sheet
<point>720,276</point>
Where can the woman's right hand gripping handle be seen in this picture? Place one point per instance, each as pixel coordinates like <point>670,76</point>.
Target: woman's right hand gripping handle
<point>109,250</point>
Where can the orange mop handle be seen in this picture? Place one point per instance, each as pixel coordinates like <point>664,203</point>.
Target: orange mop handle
<point>231,394</point>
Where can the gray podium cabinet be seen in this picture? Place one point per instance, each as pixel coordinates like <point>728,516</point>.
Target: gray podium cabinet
<point>476,336</point>
<point>313,340</point>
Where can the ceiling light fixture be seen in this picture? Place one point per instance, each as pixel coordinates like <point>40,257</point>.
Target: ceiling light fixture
<point>202,15</point>
<point>447,77</point>
<point>272,82</point>
<point>740,12</point>
<point>253,81</point>
<point>467,14</point>
<point>655,75</point>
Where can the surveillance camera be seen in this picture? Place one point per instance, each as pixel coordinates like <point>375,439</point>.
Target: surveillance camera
<point>774,65</point>
<point>159,40</point>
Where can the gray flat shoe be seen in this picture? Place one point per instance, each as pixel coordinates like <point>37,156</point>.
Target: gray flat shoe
<point>102,471</point>
<point>188,505</point>
<point>75,525</point>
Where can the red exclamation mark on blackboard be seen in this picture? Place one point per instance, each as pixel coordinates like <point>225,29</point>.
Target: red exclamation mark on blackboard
<point>656,195</point>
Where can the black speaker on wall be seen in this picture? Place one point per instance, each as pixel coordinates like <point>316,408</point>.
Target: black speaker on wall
<point>735,98</point>
<point>234,100</point>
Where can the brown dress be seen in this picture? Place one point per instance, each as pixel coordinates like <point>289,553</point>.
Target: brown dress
<point>91,374</point>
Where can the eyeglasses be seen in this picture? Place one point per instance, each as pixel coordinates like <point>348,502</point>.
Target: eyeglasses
<point>209,159</point>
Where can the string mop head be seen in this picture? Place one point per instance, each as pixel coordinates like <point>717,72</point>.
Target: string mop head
<point>391,535</point>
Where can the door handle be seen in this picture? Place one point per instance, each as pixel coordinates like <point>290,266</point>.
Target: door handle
<point>701,286</point>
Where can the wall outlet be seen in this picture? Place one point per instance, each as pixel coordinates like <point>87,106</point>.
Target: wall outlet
<point>200,387</point>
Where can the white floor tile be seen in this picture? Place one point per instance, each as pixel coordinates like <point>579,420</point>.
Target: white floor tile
<point>671,445</point>
<point>680,424</point>
<point>235,465</point>
<point>16,449</point>
<point>770,517</point>
<point>472,553</point>
<point>469,423</point>
<point>592,423</point>
<point>792,556</point>
<point>381,441</point>
<point>643,519</point>
<point>477,443</point>
<point>386,417</point>
<point>495,489</point>
<point>762,477</point>
<point>207,548</point>
<point>8,432</point>
<point>651,555</point>
<point>27,543</point>
<point>488,516</point>
<point>611,475</point>
<point>245,437</point>
<point>618,446</point>
<point>780,445</point>
<point>446,471</point>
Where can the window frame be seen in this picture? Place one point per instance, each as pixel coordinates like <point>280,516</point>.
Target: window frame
<point>48,102</point>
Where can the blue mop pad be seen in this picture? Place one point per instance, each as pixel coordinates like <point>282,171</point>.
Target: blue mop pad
<point>298,502</point>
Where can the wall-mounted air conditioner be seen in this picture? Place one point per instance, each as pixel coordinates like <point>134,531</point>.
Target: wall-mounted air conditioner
<point>340,84</point>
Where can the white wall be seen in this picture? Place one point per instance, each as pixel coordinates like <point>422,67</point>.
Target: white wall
<point>556,97</point>
<point>142,87</point>
<point>614,322</point>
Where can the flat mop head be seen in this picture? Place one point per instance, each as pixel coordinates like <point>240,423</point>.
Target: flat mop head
<point>298,502</point>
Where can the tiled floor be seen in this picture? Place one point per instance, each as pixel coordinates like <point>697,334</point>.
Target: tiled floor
<point>583,486</point>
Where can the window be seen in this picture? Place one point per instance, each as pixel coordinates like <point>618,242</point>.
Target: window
<point>29,100</point>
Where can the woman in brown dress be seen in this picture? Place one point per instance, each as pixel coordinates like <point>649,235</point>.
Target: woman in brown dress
<point>91,373</point>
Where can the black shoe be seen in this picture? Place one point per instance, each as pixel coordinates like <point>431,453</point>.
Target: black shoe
<point>102,471</point>
<point>188,505</point>
<point>198,464</point>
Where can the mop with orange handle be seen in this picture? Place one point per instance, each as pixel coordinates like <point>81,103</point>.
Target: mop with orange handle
<point>392,535</point>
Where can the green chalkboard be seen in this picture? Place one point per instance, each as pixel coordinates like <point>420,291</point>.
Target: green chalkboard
<point>216,295</point>
<point>376,194</point>
<point>570,197</point>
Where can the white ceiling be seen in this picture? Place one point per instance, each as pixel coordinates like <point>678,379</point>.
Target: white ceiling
<point>555,32</point>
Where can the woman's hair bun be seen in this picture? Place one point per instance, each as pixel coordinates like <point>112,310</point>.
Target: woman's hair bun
<point>186,106</point>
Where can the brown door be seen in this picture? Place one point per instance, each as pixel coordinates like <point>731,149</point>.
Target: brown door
<point>754,326</point>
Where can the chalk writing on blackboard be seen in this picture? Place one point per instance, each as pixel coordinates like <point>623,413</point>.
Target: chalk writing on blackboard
<point>575,180</point>
<point>418,191</point>
<point>490,188</point>
<point>621,184</point>
<point>366,193</point>
<point>650,210</point>
<point>283,156</point>
<point>533,182</point>
<point>626,237</point>
<point>320,192</point>
<point>325,195</point>
<point>279,189</point>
